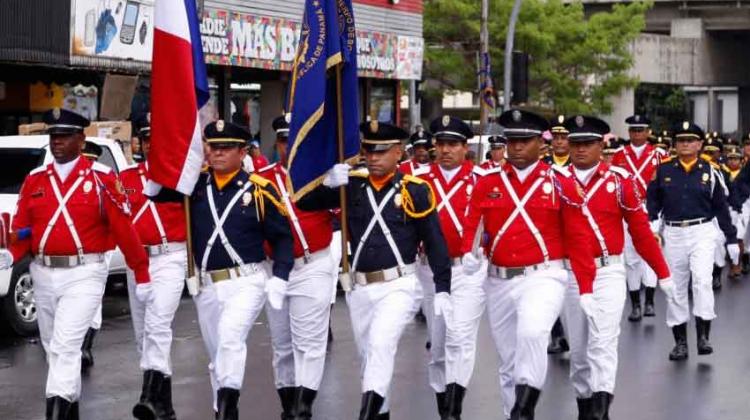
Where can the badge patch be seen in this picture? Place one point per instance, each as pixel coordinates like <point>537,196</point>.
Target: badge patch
<point>87,186</point>
<point>469,189</point>
<point>374,126</point>
<point>547,188</point>
<point>516,115</point>
<point>685,125</point>
<point>705,178</point>
<point>610,187</point>
<point>446,120</point>
<point>220,125</point>
<point>654,161</point>
<point>288,118</point>
<point>56,113</point>
<point>560,119</point>
<point>398,200</point>
<point>579,121</point>
<point>247,198</point>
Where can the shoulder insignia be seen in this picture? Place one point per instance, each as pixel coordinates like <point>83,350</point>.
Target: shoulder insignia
<point>359,173</point>
<point>413,179</point>
<point>620,171</point>
<point>101,168</point>
<point>204,169</point>
<point>38,169</point>
<point>562,170</point>
<point>480,171</point>
<point>259,180</point>
<point>424,170</point>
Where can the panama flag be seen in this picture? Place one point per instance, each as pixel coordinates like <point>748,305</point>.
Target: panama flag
<point>179,88</point>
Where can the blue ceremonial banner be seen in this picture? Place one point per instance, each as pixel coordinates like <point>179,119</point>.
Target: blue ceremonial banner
<point>328,39</point>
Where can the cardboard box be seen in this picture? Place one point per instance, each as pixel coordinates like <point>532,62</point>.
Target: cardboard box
<point>31,129</point>
<point>116,130</point>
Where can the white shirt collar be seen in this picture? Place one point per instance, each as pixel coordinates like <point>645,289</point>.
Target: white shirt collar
<point>584,175</point>
<point>448,174</point>
<point>64,169</point>
<point>524,173</point>
<point>638,150</point>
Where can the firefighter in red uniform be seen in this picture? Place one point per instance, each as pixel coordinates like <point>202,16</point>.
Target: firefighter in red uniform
<point>299,329</point>
<point>593,320</point>
<point>161,229</point>
<point>453,341</point>
<point>640,159</point>
<point>421,142</point>
<point>531,215</point>
<point>497,152</point>
<point>72,207</point>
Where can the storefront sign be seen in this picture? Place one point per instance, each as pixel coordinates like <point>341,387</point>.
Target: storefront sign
<point>238,39</point>
<point>113,29</point>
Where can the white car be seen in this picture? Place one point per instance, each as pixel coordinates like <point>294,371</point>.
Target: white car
<point>18,156</point>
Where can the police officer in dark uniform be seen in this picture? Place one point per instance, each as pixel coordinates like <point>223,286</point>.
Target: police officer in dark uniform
<point>687,194</point>
<point>389,215</point>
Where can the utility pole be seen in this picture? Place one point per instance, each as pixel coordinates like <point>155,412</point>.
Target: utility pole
<point>484,40</point>
<point>509,41</point>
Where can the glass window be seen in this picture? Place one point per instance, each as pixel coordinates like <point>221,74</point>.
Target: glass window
<point>108,159</point>
<point>383,101</point>
<point>16,164</point>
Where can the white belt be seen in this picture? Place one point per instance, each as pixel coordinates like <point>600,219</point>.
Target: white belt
<point>68,261</point>
<point>232,273</point>
<point>389,274</point>
<point>507,273</point>
<point>302,261</point>
<point>157,250</point>
<point>601,261</point>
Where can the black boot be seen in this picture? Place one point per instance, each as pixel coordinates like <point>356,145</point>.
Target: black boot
<point>584,408</point>
<point>149,406</point>
<point>371,404</point>
<point>87,357</point>
<point>73,412</point>
<point>557,343</point>
<point>454,398</point>
<point>303,402</point>
<point>440,398</point>
<point>227,399</point>
<point>716,283</point>
<point>648,307</point>
<point>745,262</point>
<point>166,399</point>
<point>635,301</point>
<point>680,350</point>
<point>703,329</point>
<point>383,416</point>
<point>58,408</point>
<point>286,396</point>
<point>600,402</point>
<point>526,399</point>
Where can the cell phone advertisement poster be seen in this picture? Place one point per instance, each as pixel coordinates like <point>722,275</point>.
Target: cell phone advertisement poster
<point>113,28</point>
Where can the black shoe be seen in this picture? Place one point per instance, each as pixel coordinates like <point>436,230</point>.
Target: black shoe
<point>600,402</point>
<point>440,399</point>
<point>584,408</point>
<point>303,402</point>
<point>227,400</point>
<point>371,404</point>
<point>716,281</point>
<point>150,404</point>
<point>87,356</point>
<point>680,350</point>
<point>703,329</point>
<point>454,398</point>
<point>745,262</point>
<point>73,412</point>
<point>286,396</point>
<point>635,302</point>
<point>58,408</point>
<point>648,307</point>
<point>526,399</point>
<point>166,399</point>
<point>420,317</point>
<point>383,416</point>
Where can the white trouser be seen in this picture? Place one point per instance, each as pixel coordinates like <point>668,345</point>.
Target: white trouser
<point>152,325</point>
<point>226,312</point>
<point>690,252</point>
<point>637,269</point>
<point>335,250</point>
<point>299,330</point>
<point>379,313</point>
<point>593,341</point>
<point>453,349</point>
<point>720,250</point>
<point>424,274</point>
<point>67,300</point>
<point>96,323</point>
<point>521,312</point>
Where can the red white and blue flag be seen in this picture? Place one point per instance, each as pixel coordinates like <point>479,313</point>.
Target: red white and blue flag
<point>179,88</point>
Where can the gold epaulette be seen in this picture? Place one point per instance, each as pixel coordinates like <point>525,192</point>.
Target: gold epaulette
<point>204,168</point>
<point>714,165</point>
<point>261,193</point>
<point>259,180</point>
<point>359,173</point>
<point>408,202</point>
<point>667,159</point>
<point>414,179</point>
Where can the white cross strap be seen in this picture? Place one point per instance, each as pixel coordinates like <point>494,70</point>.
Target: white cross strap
<point>219,226</point>
<point>637,172</point>
<point>590,216</point>
<point>445,203</point>
<point>63,210</point>
<point>293,215</point>
<point>149,205</point>
<point>378,219</point>
<point>520,210</point>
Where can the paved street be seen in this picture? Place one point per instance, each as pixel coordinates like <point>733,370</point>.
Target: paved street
<point>649,386</point>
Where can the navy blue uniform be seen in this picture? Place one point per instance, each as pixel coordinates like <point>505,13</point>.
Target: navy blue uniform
<point>408,232</point>
<point>679,195</point>
<point>254,218</point>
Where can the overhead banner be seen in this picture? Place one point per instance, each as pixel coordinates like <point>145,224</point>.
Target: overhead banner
<point>238,39</point>
<point>112,29</point>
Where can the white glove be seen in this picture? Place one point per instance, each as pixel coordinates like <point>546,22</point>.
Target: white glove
<point>655,226</point>
<point>667,286</point>
<point>337,176</point>
<point>471,263</point>
<point>6,259</point>
<point>144,292</point>
<point>734,253</point>
<point>193,285</point>
<point>276,291</point>
<point>588,304</point>
<point>443,306</point>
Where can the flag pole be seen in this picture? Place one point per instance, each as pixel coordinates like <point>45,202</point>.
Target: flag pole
<point>189,238</point>
<point>342,158</point>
